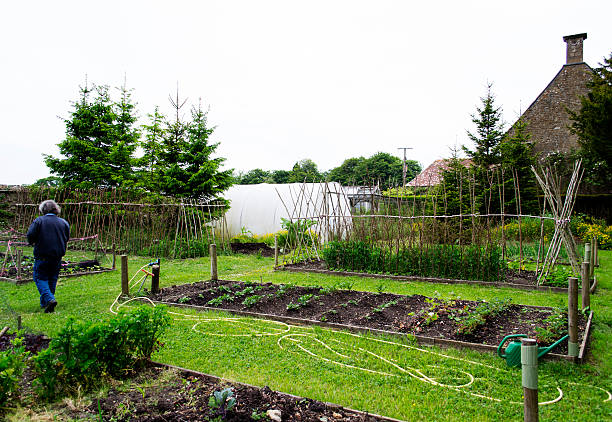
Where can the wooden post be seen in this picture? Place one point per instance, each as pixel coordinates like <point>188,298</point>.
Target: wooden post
<point>213,262</point>
<point>586,285</point>
<point>572,316</point>
<point>275,251</point>
<point>529,376</point>
<point>596,251</point>
<point>114,256</point>
<point>155,279</point>
<point>19,258</point>
<point>592,259</point>
<point>125,288</point>
<point>19,326</point>
<point>587,253</point>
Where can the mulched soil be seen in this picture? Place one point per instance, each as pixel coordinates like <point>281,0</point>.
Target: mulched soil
<point>252,249</point>
<point>185,398</point>
<point>417,314</point>
<point>524,277</point>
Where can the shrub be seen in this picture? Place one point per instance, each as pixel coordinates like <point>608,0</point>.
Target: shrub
<point>603,233</point>
<point>85,352</point>
<point>12,364</point>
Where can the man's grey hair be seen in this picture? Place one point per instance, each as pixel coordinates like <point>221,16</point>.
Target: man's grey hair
<point>49,206</point>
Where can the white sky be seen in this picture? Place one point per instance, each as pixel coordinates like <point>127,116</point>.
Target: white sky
<point>287,80</point>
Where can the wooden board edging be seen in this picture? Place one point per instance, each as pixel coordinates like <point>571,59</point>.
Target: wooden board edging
<point>28,280</point>
<point>328,405</point>
<point>422,340</point>
<point>426,279</point>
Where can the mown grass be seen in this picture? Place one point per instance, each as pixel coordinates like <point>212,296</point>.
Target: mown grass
<point>261,361</point>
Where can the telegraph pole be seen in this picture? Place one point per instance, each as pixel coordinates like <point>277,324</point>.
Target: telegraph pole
<point>404,167</point>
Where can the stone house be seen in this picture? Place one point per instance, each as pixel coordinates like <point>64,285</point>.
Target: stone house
<point>547,118</point>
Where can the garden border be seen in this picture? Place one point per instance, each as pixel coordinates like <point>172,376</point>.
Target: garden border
<point>328,405</point>
<point>425,279</point>
<point>422,340</point>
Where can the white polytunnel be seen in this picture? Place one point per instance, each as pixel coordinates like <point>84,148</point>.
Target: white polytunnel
<point>260,208</point>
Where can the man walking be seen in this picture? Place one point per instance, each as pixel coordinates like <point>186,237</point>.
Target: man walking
<point>49,234</point>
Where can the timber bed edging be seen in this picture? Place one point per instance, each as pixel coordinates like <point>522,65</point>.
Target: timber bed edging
<point>421,340</point>
<point>328,405</point>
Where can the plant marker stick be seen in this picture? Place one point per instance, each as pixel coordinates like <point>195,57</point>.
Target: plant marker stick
<point>125,288</point>
<point>572,314</point>
<point>213,262</point>
<point>275,251</point>
<point>155,279</point>
<point>19,258</point>
<point>586,285</point>
<point>529,364</point>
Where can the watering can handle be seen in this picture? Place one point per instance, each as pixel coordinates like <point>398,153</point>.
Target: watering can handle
<point>545,350</point>
<point>499,348</point>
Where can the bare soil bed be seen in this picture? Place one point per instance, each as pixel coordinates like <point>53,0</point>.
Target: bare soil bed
<point>252,248</point>
<point>417,314</point>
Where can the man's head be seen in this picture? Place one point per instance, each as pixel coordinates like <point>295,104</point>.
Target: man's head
<point>49,206</point>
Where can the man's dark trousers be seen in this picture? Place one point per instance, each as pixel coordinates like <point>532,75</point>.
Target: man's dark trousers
<point>46,272</point>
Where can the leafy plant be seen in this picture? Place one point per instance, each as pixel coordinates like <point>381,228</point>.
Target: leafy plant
<point>384,306</point>
<point>220,299</point>
<point>251,300</point>
<point>12,365</point>
<point>555,327</point>
<point>222,402</point>
<point>477,317</point>
<point>83,353</point>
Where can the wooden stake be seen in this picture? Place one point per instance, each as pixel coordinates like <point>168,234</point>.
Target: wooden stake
<point>592,259</point>
<point>572,314</point>
<point>213,262</point>
<point>125,288</point>
<point>114,256</point>
<point>275,251</point>
<point>155,279</point>
<point>19,257</point>
<point>529,364</point>
<point>586,285</point>
<point>596,252</point>
<point>19,326</point>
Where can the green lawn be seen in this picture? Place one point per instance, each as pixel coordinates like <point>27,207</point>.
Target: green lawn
<point>385,375</point>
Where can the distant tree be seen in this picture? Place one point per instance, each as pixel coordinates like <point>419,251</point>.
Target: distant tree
<point>593,125</point>
<point>50,181</point>
<point>100,141</point>
<point>489,133</point>
<point>255,176</point>
<point>382,168</point>
<point>351,172</point>
<point>305,171</point>
<point>281,176</point>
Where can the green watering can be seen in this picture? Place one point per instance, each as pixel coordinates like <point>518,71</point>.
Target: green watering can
<point>512,354</point>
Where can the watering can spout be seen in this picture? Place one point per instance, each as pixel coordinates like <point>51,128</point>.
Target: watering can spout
<point>544,350</point>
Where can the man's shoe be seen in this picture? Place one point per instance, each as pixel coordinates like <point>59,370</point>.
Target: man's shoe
<point>50,306</point>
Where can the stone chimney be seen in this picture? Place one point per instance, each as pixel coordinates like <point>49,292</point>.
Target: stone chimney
<point>574,47</point>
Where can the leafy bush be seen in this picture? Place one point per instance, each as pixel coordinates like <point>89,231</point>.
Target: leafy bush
<point>587,231</point>
<point>84,352</point>
<point>12,364</point>
<point>447,261</point>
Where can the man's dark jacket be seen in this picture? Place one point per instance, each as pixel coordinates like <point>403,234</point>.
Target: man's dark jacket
<point>49,235</point>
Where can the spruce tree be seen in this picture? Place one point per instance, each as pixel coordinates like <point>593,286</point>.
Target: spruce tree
<point>489,132</point>
<point>100,141</point>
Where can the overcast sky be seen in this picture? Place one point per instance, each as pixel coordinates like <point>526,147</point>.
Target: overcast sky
<point>287,80</point>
